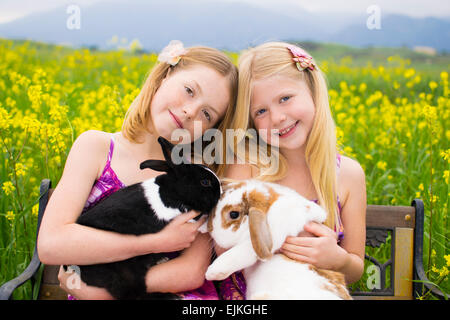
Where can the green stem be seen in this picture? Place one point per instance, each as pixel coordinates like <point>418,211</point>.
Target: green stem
<point>431,195</point>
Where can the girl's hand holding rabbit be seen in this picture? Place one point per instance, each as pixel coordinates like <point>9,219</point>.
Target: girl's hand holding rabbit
<point>179,233</point>
<point>317,246</point>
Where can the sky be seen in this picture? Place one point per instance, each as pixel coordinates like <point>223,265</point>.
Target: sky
<point>13,9</point>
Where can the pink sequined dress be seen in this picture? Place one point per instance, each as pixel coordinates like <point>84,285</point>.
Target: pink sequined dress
<point>109,183</point>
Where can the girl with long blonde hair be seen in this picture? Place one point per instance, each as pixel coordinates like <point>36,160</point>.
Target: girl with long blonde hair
<point>283,96</point>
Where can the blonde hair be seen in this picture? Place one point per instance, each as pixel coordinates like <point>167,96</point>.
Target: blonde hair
<point>272,59</point>
<point>138,114</point>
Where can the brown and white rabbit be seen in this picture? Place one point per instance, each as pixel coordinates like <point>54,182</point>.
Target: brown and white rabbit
<point>252,220</point>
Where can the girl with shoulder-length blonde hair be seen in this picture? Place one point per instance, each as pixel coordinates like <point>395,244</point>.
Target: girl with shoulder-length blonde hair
<point>186,87</point>
<point>138,119</point>
<point>283,96</point>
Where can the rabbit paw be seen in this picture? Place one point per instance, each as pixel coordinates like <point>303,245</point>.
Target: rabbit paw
<point>214,273</point>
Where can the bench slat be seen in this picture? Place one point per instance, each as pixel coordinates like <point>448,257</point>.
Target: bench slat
<point>404,251</point>
<point>390,217</point>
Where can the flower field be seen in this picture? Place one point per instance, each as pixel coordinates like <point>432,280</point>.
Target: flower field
<point>392,115</point>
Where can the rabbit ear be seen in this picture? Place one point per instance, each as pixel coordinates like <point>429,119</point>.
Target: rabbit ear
<point>157,165</point>
<point>224,183</point>
<point>260,233</point>
<point>166,147</point>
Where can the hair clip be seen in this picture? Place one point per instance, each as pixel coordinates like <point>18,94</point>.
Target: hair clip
<point>172,53</point>
<point>301,58</point>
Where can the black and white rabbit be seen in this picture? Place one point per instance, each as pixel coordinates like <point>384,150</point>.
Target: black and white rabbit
<point>143,208</point>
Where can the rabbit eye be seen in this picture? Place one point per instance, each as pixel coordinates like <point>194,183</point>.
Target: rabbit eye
<point>234,214</point>
<point>205,183</point>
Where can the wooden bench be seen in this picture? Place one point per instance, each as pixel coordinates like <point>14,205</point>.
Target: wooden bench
<point>399,227</point>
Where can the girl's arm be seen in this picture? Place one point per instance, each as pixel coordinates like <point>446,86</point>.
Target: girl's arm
<point>62,241</point>
<point>322,249</point>
<point>186,272</point>
<point>354,220</point>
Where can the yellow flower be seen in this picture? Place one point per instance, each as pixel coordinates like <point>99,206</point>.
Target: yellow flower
<point>421,187</point>
<point>35,210</point>
<point>348,151</point>
<point>434,199</point>
<point>10,102</point>
<point>430,112</point>
<point>8,187</point>
<point>446,155</point>
<point>5,119</point>
<point>433,253</point>
<point>362,87</point>
<point>447,259</point>
<point>396,85</point>
<point>444,75</point>
<point>381,165</point>
<point>10,215</point>
<point>446,175</point>
<point>409,73</point>
<point>433,85</point>
<point>20,170</point>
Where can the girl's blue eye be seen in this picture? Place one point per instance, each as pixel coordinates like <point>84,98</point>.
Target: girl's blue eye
<point>284,99</point>
<point>207,115</point>
<point>189,91</point>
<point>260,112</point>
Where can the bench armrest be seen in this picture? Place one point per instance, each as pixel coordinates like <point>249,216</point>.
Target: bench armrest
<point>8,288</point>
<point>421,281</point>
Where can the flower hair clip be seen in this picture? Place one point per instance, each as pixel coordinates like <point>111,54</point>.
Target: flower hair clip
<point>301,58</point>
<point>172,53</point>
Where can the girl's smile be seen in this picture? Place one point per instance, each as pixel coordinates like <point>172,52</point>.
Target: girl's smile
<point>286,132</point>
<point>177,120</point>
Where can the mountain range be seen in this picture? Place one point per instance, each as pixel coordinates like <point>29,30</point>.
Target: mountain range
<point>222,24</point>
